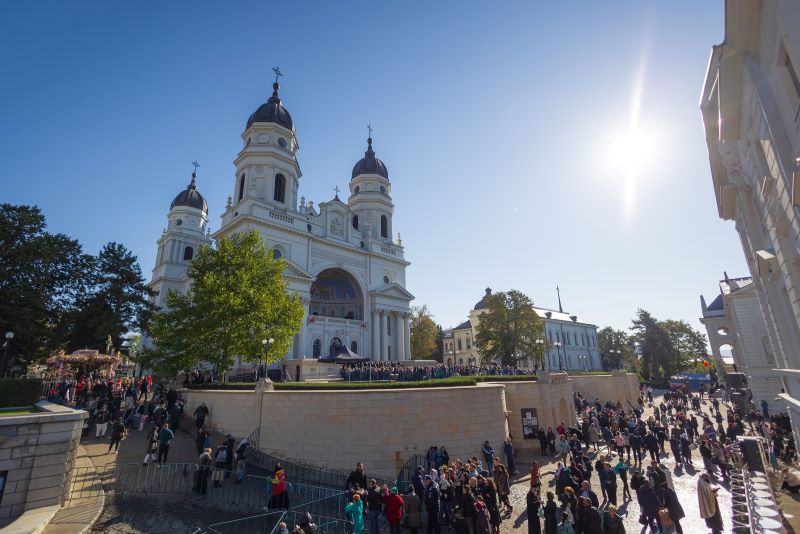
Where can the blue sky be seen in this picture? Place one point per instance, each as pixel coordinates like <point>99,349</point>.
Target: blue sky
<point>528,145</point>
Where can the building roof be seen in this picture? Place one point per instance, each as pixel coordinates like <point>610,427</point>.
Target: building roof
<point>370,164</point>
<point>272,111</point>
<point>731,285</point>
<point>716,304</point>
<point>481,304</point>
<point>464,326</point>
<point>190,197</point>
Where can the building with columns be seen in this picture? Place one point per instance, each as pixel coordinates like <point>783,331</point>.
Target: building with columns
<point>568,344</point>
<point>341,256</point>
<point>750,106</point>
<point>734,319</point>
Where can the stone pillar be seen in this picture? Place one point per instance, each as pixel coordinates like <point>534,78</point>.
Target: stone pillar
<point>302,349</point>
<point>399,332</point>
<point>376,335</point>
<point>407,331</point>
<point>382,321</point>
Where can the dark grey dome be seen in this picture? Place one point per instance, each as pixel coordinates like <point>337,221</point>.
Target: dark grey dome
<point>272,111</point>
<point>482,303</point>
<point>369,164</point>
<point>190,197</point>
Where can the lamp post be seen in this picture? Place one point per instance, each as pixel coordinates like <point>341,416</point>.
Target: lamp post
<point>266,343</point>
<point>557,345</point>
<point>540,349</point>
<point>9,337</point>
<point>618,356</point>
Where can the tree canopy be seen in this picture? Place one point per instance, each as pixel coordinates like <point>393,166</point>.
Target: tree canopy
<point>616,348</point>
<point>423,334</point>
<point>238,297</point>
<point>508,329</point>
<point>667,347</point>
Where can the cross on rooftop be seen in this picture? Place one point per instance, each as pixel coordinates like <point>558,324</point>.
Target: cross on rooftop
<point>278,73</point>
<point>336,190</point>
<point>195,165</point>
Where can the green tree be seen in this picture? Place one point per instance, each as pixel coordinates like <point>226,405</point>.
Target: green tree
<point>508,329</point>
<point>655,345</point>
<point>238,297</point>
<point>423,333</point>
<point>689,344</point>
<point>41,277</point>
<point>616,348</point>
<point>439,343</point>
<point>118,303</point>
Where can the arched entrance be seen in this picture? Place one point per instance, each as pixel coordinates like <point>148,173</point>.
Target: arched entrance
<point>335,293</point>
<point>334,347</point>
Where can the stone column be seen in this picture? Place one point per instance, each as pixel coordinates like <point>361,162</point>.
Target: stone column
<point>407,336</point>
<point>376,335</point>
<point>302,349</point>
<point>382,321</point>
<point>399,332</point>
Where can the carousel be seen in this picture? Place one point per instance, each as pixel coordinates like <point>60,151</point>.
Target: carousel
<point>83,362</point>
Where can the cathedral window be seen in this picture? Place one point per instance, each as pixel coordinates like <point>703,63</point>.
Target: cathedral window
<point>388,325</point>
<point>384,226</point>
<point>459,344</point>
<point>355,222</point>
<point>354,347</point>
<point>188,253</point>
<point>317,348</point>
<point>280,188</point>
<point>241,188</point>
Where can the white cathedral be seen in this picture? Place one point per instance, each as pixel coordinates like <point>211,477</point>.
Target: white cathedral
<point>340,256</point>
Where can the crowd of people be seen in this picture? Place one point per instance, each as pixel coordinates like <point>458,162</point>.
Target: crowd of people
<point>394,371</point>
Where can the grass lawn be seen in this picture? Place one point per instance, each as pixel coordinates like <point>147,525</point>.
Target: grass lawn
<point>16,411</point>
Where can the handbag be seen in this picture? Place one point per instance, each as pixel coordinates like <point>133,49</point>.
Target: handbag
<point>540,513</point>
<point>666,520</point>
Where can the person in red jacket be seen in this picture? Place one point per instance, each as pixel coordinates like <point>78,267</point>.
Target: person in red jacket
<point>394,508</point>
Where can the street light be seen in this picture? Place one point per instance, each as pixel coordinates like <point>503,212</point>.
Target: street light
<point>618,356</point>
<point>540,349</point>
<point>266,343</point>
<point>557,345</point>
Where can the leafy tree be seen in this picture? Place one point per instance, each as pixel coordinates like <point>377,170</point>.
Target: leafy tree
<point>238,297</point>
<point>119,302</point>
<point>689,344</point>
<point>439,343</point>
<point>423,333</point>
<point>616,348</point>
<point>508,329</point>
<point>41,277</point>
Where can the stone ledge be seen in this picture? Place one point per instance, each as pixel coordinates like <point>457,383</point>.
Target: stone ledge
<point>33,521</point>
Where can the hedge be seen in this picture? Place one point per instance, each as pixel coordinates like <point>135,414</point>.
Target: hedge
<point>300,386</point>
<point>507,378</point>
<point>17,392</point>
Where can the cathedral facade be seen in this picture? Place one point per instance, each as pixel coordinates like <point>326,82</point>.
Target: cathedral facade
<point>340,255</point>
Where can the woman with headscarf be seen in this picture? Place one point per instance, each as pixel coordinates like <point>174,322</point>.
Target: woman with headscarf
<point>709,508</point>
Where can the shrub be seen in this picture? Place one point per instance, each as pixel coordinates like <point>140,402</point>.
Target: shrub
<point>17,392</point>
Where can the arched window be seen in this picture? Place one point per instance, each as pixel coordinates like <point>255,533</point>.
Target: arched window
<point>280,188</point>
<point>384,226</point>
<point>241,188</point>
<point>354,347</point>
<point>355,222</point>
<point>276,254</point>
<point>188,253</point>
<point>317,348</point>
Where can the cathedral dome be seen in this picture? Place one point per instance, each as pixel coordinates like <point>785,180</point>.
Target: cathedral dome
<point>190,197</point>
<point>369,164</point>
<point>482,303</point>
<point>272,111</point>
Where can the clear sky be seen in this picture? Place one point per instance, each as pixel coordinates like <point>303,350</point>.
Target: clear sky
<point>529,144</point>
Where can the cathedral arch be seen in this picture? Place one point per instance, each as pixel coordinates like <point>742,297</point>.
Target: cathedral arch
<point>188,253</point>
<point>384,226</point>
<point>333,348</point>
<point>317,348</point>
<point>354,347</point>
<point>337,293</point>
<point>355,222</point>
<point>279,194</point>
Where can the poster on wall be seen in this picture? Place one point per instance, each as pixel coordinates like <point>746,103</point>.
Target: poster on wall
<point>530,423</point>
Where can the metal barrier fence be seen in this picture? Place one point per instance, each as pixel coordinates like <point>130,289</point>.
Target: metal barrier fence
<point>91,483</point>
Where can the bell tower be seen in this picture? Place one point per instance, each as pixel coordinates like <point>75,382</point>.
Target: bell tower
<point>369,196</point>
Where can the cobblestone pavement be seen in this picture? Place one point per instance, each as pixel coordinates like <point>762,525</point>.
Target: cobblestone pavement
<point>684,481</point>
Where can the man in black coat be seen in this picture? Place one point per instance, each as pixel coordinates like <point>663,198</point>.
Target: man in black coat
<point>586,491</point>
<point>357,477</point>
<point>649,504</point>
<point>432,505</point>
<point>588,520</point>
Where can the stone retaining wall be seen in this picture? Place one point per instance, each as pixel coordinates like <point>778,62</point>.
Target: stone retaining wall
<point>38,451</point>
<point>617,386</point>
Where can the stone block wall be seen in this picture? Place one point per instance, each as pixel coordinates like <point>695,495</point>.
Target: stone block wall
<point>551,399</point>
<point>233,412</point>
<point>38,451</point>
<point>616,386</point>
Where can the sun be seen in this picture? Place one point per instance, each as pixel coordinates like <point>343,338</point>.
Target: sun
<point>630,151</point>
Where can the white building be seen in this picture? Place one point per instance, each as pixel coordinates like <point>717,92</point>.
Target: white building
<point>570,344</point>
<point>751,112</point>
<point>341,257</point>
<point>734,319</point>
